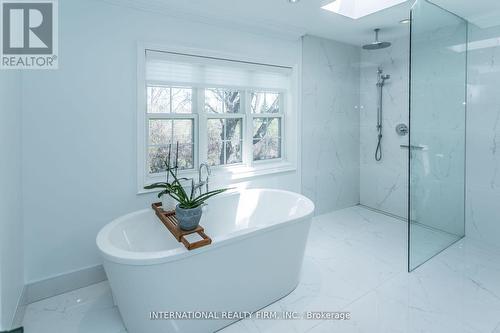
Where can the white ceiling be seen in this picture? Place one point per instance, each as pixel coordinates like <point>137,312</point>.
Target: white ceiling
<point>280,17</point>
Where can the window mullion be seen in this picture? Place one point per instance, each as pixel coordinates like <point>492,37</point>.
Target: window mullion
<point>224,116</point>
<point>282,120</point>
<point>173,123</point>
<point>202,155</point>
<point>224,141</point>
<point>268,115</point>
<point>247,129</point>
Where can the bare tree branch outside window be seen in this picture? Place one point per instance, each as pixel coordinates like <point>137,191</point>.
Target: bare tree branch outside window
<point>267,130</point>
<point>225,137</point>
<point>162,132</point>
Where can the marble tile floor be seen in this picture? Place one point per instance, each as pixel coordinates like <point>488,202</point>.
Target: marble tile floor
<point>356,262</point>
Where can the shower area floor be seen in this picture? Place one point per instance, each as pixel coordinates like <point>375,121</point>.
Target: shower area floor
<point>427,241</point>
<point>356,262</point>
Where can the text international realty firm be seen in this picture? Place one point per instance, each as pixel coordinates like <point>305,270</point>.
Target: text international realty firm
<point>237,315</point>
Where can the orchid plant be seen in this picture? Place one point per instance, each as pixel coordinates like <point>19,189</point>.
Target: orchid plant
<point>175,189</point>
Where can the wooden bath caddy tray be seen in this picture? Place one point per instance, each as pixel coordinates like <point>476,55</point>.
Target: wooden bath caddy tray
<point>170,221</point>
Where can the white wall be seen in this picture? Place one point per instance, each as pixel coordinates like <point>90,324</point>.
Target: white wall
<point>384,184</point>
<point>483,137</point>
<point>79,163</point>
<point>11,232</point>
<point>330,123</point>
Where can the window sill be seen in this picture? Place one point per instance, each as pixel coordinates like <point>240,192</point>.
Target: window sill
<point>234,173</point>
<point>244,172</point>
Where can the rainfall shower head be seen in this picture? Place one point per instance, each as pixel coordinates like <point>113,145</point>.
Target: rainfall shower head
<point>376,45</point>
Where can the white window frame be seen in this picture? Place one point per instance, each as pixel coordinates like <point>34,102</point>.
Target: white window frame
<point>170,116</point>
<point>248,168</point>
<point>280,115</point>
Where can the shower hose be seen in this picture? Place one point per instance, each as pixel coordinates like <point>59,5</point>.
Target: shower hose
<point>378,152</point>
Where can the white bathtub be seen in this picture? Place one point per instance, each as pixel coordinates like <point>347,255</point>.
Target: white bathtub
<point>259,237</point>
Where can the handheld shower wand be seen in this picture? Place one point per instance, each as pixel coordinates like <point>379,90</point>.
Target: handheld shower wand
<point>381,78</point>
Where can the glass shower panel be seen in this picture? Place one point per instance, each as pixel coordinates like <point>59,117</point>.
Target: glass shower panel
<point>438,67</point>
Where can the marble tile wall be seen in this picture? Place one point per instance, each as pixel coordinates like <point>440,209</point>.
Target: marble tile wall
<point>383,185</point>
<point>483,136</point>
<point>438,177</point>
<point>330,135</point>
<point>330,123</point>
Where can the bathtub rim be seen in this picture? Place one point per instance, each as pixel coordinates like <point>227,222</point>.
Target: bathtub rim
<point>116,255</point>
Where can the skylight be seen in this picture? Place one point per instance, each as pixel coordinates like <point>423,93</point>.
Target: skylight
<point>356,9</point>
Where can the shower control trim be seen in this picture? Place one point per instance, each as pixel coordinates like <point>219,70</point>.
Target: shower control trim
<point>402,129</point>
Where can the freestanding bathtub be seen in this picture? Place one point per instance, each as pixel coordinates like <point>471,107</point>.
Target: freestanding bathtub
<point>259,237</point>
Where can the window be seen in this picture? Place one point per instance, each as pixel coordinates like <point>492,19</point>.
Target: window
<point>162,133</point>
<point>225,141</point>
<point>266,120</point>
<point>170,125</point>
<point>224,126</point>
<point>226,113</point>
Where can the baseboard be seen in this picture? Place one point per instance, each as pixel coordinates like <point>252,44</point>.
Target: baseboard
<point>17,330</point>
<point>61,284</point>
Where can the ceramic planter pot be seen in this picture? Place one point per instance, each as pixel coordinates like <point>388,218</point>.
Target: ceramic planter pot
<point>188,219</point>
